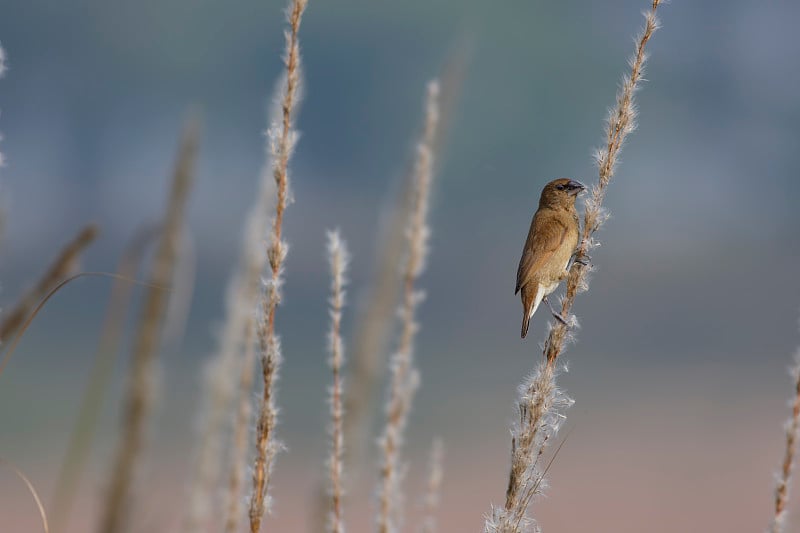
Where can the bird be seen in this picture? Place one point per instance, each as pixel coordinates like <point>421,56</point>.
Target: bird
<point>551,243</point>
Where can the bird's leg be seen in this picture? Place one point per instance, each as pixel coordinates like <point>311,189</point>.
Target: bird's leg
<point>556,314</point>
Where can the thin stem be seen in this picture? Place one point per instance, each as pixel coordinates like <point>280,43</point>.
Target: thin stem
<point>787,466</point>
<point>140,395</point>
<point>266,444</point>
<point>404,377</point>
<point>338,258</point>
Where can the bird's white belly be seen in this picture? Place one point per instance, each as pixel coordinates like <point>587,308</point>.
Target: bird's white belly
<point>541,292</point>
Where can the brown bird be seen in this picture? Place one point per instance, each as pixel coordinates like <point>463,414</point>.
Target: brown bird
<point>552,240</point>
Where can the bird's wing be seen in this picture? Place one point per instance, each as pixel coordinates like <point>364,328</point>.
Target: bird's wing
<point>547,233</point>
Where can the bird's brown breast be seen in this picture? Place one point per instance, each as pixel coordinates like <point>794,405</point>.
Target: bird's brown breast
<point>552,239</point>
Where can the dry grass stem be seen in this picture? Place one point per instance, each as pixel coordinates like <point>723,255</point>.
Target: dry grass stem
<point>32,490</point>
<point>68,479</point>
<point>620,123</point>
<point>231,373</point>
<point>541,403</point>
<point>434,488</point>
<point>374,318</point>
<point>2,206</point>
<point>62,267</point>
<point>369,352</point>
<point>338,258</point>
<point>784,478</point>
<point>374,321</point>
<point>181,293</point>
<point>238,456</point>
<point>228,376</point>
<point>541,406</point>
<point>282,137</point>
<point>140,393</point>
<point>404,377</point>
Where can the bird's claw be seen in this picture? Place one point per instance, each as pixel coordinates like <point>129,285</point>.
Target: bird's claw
<point>583,260</point>
<point>560,318</point>
<point>555,313</point>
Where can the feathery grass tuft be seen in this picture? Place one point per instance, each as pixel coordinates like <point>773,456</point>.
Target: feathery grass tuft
<point>239,337</point>
<point>228,376</point>
<point>541,403</point>
<point>376,313</point>
<point>282,139</point>
<point>141,380</point>
<point>434,488</point>
<point>404,376</point>
<point>620,123</point>
<point>784,477</point>
<point>541,406</point>
<point>234,499</point>
<point>338,258</point>
<point>373,324</point>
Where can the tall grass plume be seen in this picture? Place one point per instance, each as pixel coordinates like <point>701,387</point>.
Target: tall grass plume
<point>282,140</point>
<point>784,477</point>
<point>79,446</point>
<point>433,490</point>
<point>231,373</point>
<point>338,258</point>
<point>3,69</point>
<point>541,403</point>
<point>140,394</point>
<point>228,375</point>
<point>404,377</point>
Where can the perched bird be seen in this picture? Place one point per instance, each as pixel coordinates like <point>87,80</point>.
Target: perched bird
<point>552,240</point>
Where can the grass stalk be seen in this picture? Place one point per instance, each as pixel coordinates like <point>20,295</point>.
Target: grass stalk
<point>784,478</point>
<point>375,316</point>
<point>2,206</point>
<point>338,258</point>
<point>63,266</point>
<point>282,138</point>
<point>32,490</point>
<point>72,466</point>
<point>141,380</point>
<point>434,487</point>
<point>228,376</point>
<point>238,456</point>
<point>404,376</point>
<point>541,403</point>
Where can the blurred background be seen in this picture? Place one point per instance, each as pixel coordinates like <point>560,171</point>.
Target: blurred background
<point>679,370</point>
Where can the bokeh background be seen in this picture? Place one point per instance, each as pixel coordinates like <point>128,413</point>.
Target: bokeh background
<point>679,371</point>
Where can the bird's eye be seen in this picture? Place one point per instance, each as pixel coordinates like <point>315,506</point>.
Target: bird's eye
<point>560,187</point>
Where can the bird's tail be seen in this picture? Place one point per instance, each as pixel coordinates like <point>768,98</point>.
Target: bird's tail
<point>530,302</point>
<point>526,320</point>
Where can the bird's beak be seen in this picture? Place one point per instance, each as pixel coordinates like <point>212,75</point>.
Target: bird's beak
<point>577,187</point>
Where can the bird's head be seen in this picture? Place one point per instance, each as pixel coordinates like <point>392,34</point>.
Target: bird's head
<point>561,193</point>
